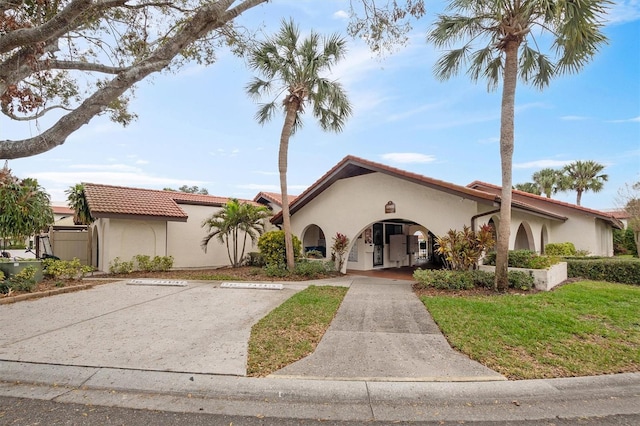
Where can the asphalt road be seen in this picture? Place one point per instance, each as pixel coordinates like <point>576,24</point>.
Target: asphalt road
<point>32,412</point>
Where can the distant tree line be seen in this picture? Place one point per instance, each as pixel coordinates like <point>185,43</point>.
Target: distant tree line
<point>579,176</point>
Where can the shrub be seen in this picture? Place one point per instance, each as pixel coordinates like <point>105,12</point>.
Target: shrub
<point>117,266</point>
<point>272,248</point>
<point>276,270</point>
<point>520,280</point>
<point>312,269</point>
<point>162,263</point>
<point>560,249</point>
<point>527,259</point>
<point>65,269</point>
<point>255,258</point>
<point>605,269</point>
<point>25,280</point>
<point>444,279</point>
<point>2,276</point>
<point>623,242</point>
<point>467,280</point>
<point>143,262</point>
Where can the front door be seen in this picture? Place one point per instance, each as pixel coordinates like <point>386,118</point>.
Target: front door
<point>378,244</point>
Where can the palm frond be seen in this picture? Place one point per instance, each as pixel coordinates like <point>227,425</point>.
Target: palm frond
<point>450,63</point>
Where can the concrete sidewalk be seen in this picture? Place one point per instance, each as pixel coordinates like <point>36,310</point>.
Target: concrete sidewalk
<point>383,332</point>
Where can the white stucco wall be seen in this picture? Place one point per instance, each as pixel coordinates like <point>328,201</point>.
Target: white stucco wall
<point>125,238</point>
<point>351,205</point>
<point>185,238</point>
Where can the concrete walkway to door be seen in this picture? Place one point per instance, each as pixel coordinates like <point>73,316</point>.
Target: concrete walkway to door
<point>383,332</point>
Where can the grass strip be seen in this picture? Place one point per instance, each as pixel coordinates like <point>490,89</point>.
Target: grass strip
<point>292,330</point>
<point>583,328</point>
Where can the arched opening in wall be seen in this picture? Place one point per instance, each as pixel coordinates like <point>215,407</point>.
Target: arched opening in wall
<point>544,238</point>
<point>314,243</point>
<point>400,245</point>
<point>494,226</point>
<point>524,238</point>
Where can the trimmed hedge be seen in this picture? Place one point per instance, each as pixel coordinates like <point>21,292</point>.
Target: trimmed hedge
<point>446,279</point>
<point>526,259</point>
<point>604,269</point>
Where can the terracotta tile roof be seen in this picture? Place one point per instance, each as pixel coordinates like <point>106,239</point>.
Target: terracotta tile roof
<point>351,166</point>
<point>62,210</point>
<point>527,198</point>
<point>120,201</point>
<point>273,197</point>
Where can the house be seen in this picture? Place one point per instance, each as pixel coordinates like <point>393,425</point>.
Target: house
<point>390,216</point>
<point>62,215</point>
<point>133,221</point>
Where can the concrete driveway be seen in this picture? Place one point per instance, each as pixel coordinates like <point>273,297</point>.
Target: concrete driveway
<point>200,328</point>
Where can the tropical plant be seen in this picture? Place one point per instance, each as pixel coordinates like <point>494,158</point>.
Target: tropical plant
<point>77,200</point>
<point>548,180</point>
<point>504,28</point>
<point>581,176</point>
<point>530,187</point>
<point>189,190</point>
<point>234,223</point>
<point>339,249</point>
<point>25,207</point>
<point>629,199</point>
<point>461,250</point>
<point>293,66</point>
<point>65,62</point>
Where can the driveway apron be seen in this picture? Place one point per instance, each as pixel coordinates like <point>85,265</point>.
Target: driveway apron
<point>383,332</point>
<point>200,328</point>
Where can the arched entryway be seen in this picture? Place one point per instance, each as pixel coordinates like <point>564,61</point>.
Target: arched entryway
<point>314,241</point>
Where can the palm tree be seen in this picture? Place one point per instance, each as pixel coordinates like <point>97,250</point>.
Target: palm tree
<point>530,187</point>
<point>548,180</point>
<point>504,28</point>
<point>77,200</point>
<point>227,224</point>
<point>292,67</point>
<point>584,176</point>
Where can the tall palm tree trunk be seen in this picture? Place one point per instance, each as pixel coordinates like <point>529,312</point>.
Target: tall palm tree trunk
<point>287,127</point>
<point>506,159</point>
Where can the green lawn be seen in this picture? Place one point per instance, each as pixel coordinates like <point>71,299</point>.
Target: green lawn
<point>292,330</point>
<point>583,328</point>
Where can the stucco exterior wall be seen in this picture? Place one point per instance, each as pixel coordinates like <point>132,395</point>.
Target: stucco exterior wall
<point>185,237</point>
<point>350,205</point>
<point>125,238</point>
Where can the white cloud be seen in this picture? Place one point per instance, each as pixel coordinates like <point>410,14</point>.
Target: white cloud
<point>628,120</point>
<point>408,157</point>
<point>291,189</point>
<point>573,118</point>
<point>541,164</point>
<point>341,14</point>
<point>624,11</point>
<point>414,111</point>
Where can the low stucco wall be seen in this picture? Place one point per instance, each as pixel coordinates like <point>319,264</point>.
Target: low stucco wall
<point>543,279</point>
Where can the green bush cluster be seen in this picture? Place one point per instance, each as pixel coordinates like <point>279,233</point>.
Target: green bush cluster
<point>141,262</point>
<point>560,249</point>
<point>313,269</point>
<point>527,259</point>
<point>65,269</point>
<point>624,242</point>
<point>467,280</point>
<point>272,248</point>
<point>25,280</point>
<point>604,269</point>
<point>255,258</point>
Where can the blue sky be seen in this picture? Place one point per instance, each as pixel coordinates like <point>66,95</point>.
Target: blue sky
<point>197,127</point>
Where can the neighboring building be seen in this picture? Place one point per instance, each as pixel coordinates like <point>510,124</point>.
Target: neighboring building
<point>62,215</point>
<point>390,216</point>
<point>132,221</point>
